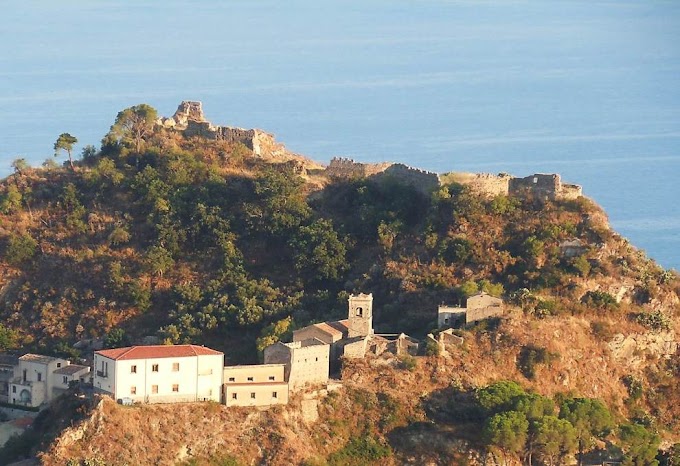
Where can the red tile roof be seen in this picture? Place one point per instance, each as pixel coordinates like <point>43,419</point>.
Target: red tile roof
<point>325,326</point>
<point>157,351</point>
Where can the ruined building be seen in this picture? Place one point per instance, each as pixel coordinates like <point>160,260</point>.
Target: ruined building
<point>190,121</point>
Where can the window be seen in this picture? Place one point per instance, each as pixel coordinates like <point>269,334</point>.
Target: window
<point>154,389</point>
<point>252,395</point>
<point>275,395</point>
<point>250,379</point>
<point>316,359</point>
<point>65,380</point>
<point>154,368</point>
<point>133,390</point>
<point>39,376</point>
<point>234,396</point>
<point>175,367</point>
<point>535,179</point>
<point>271,377</point>
<point>175,387</point>
<point>232,379</point>
<point>360,312</point>
<point>58,365</point>
<point>14,388</point>
<point>133,369</point>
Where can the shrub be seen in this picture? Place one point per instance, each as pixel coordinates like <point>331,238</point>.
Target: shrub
<point>408,362</point>
<point>359,451</point>
<point>599,299</point>
<point>20,249</point>
<point>655,320</point>
<point>530,356</point>
<point>602,330</point>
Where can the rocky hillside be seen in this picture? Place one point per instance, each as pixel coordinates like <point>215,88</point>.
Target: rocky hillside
<point>199,236</point>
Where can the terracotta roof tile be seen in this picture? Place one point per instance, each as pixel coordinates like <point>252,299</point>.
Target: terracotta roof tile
<point>157,351</point>
<point>70,369</point>
<point>326,327</point>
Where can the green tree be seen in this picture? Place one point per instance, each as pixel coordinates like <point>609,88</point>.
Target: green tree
<point>20,249</point>
<point>318,250</point>
<point>590,418</point>
<point>20,165</point>
<point>65,141</point>
<point>8,338</point>
<point>158,260</point>
<point>274,332</point>
<point>507,431</point>
<point>115,338</point>
<point>499,396</point>
<point>134,124</point>
<point>639,445</point>
<point>10,202</point>
<point>554,439</point>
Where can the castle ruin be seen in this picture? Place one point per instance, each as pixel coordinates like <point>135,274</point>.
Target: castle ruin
<point>190,120</point>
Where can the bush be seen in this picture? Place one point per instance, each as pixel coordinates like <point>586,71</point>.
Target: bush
<point>655,320</point>
<point>408,362</point>
<point>530,356</point>
<point>359,451</point>
<point>599,299</point>
<point>20,249</point>
<point>602,330</point>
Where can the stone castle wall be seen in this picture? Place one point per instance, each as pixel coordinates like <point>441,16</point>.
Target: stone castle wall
<point>424,180</point>
<point>485,184</point>
<point>190,120</point>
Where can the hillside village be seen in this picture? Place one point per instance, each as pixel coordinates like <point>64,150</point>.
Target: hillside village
<point>189,373</point>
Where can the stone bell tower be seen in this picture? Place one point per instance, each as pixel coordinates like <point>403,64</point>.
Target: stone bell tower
<point>360,315</point>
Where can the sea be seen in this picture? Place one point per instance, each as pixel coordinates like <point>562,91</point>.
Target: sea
<point>588,89</point>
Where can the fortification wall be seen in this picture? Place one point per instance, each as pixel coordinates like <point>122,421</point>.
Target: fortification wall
<point>422,179</point>
<point>341,167</point>
<point>485,184</point>
<point>571,191</point>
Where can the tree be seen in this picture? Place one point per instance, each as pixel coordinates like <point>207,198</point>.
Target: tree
<point>10,202</point>
<point>274,332</point>
<point>20,249</point>
<point>134,124</point>
<point>499,396</point>
<point>318,250</point>
<point>65,142</point>
<point>20,165</point>
<point>590,418</point>
<point>640,445</point>
<point>507,431</point>
<point>8,338</point>
<point>554,438</point>
<point>158,260</point>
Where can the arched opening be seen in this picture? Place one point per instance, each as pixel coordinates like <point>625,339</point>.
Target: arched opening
<point>360,312</point>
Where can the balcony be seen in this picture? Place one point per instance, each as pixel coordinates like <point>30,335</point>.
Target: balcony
<point>102,374</point>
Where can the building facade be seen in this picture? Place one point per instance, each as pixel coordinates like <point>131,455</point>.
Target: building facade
<point>160,373</point>
<point>33,382</point>
<point>255,385</point>
<point>305,362</point>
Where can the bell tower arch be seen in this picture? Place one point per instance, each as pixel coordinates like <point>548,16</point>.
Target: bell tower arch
<point>360,315</point>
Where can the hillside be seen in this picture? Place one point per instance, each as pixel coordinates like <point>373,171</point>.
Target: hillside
<point>206,237</point>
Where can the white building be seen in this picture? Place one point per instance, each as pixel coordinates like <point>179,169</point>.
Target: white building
<point>160,374</point>
<point>34,381</point>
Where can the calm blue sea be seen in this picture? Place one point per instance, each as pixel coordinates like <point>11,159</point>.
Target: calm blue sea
<point>589,89</point>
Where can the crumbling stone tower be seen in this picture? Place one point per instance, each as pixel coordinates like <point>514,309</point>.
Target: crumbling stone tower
<point>360,319</point>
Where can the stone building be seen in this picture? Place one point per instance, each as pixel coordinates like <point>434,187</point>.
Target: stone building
<point>305,362</point>
<point>477,307</point>
<point>346,337</point>
<point>255,385</point>
<point>483,306</point>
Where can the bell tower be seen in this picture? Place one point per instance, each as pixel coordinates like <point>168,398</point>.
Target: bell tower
<point>360,315</point>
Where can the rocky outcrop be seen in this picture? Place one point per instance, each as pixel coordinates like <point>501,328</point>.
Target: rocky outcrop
<point>632,350</point>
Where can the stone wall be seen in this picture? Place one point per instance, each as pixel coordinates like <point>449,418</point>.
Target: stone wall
<point>190,120</point>
<point>340,167</point>
<point>485,184</point>
<point>344,168</point>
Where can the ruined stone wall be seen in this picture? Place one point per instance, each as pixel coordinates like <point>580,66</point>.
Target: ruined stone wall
<point>341,167</point>
<point>474,315</point>
<point>422,179</point>
<point>571,191</point>
<point>485,184</point>
<point>540,185</point>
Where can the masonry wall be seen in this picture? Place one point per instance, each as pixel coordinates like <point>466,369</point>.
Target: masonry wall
<point>262,394</point>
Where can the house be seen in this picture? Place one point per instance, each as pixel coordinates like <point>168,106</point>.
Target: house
<point>478,307</point>
<point>483,306</point>
<point>448,316</point>
<point>160,373</point>
<point>64,376</point>
<point>255,385</point>
<point>7,364</point>
<point>305,362</point>
<point>33,381</point>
